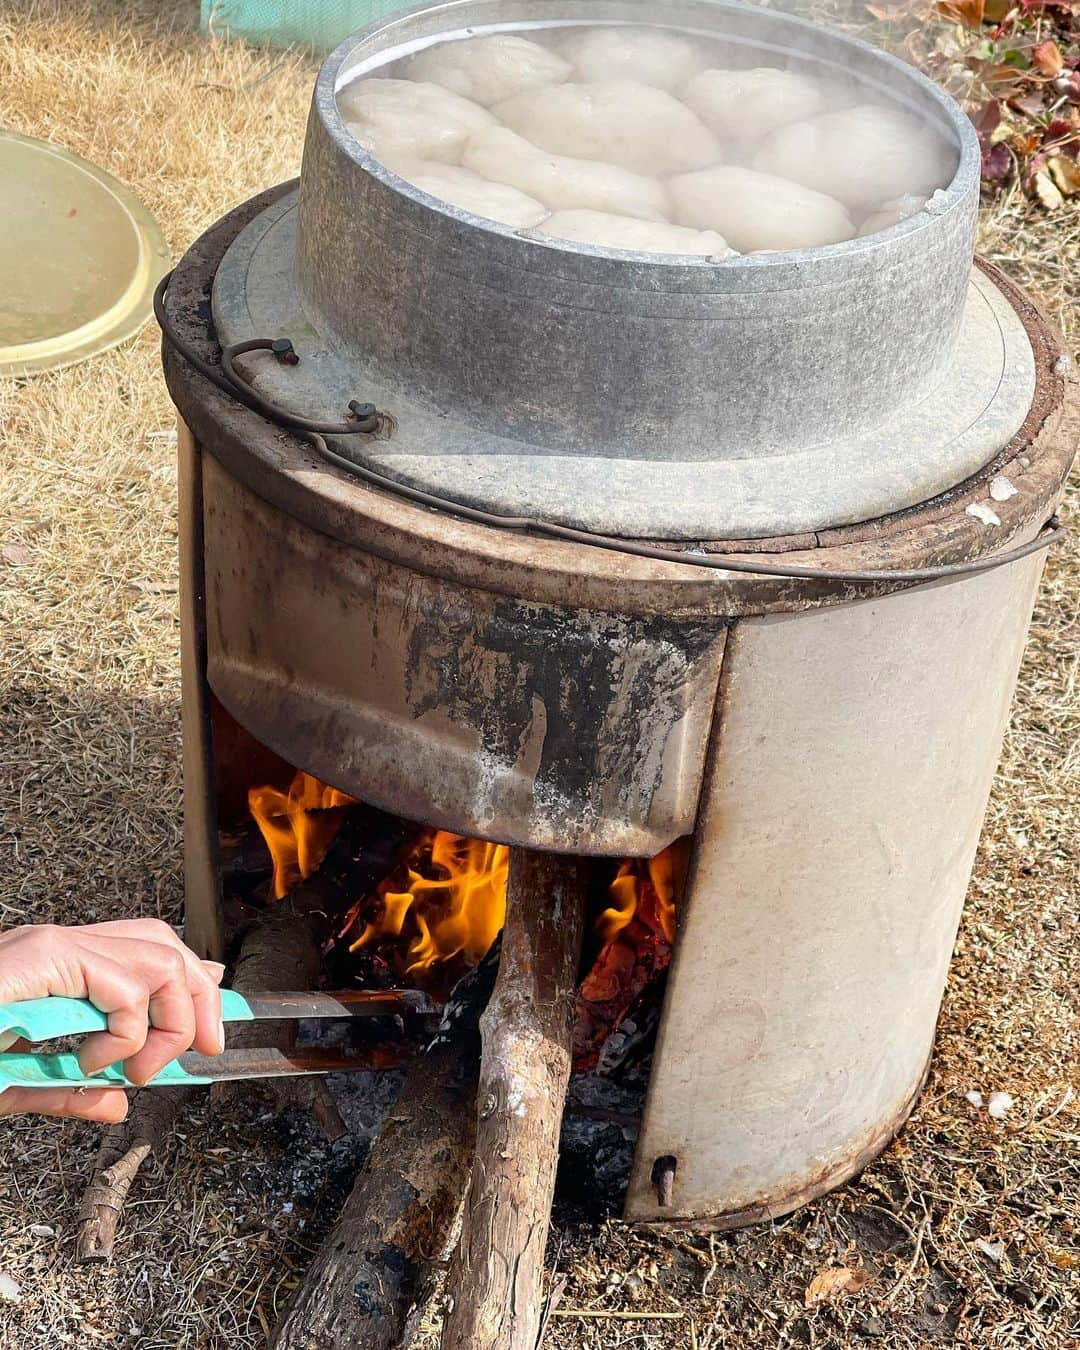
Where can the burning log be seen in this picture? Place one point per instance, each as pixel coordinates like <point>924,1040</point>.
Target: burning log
<point>283,948</point>
<point>639,929</point>
<point>369,1274</point>
<point>497,1271</point>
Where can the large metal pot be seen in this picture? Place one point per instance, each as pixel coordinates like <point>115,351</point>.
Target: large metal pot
<point>517,334</point>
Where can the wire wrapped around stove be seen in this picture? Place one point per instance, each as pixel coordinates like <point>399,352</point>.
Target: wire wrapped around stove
<point>365,418</point>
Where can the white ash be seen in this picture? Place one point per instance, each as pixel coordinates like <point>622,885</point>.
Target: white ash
<point>1001,489</point>
<point>983,513</point>
<point>10,1289</point>
<point>999,1105</point>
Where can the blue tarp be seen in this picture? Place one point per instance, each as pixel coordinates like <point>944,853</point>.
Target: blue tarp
<point>317,24</point>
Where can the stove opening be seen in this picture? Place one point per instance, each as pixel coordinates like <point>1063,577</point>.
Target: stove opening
<point>440,905</point>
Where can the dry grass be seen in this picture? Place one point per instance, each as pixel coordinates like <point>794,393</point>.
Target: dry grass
<point>89,819</point>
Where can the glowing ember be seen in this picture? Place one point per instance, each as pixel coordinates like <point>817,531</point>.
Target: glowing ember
<point>640,930</point>
<point>298,825</point>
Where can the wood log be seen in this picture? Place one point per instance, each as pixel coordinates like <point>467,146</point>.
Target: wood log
<point>282,948</point>
<point>280,952</point>
<point>123,1150</point>
<point>496,1276</point>
<point>365,850</point>
<point>368,1281</point>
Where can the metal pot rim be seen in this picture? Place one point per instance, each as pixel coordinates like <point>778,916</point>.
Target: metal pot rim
<point>772,267</point>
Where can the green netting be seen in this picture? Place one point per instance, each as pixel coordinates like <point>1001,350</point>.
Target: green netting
<point>318,24</point>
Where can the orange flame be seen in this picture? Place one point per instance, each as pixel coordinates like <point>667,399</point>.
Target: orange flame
<point>665,872</point>
<point>447,898</point>
<point>298,825</point>
<point>451,894</point>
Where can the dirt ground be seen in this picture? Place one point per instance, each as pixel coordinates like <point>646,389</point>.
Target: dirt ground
<point>966,1232</point>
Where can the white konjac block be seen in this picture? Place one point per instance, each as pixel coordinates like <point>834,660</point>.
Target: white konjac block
<point>892,213</point>
<point>648,55</point>
<point>407,118</point>
<point>461,187</point>
<point>616,121</point>
<point>862,156</point>
<point>755,210</point>
<point>560,181</point>
<point>488,69</point>
<point>747,104</point>
<point>643,236</point>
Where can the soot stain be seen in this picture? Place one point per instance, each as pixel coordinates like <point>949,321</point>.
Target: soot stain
<point>613,689</point>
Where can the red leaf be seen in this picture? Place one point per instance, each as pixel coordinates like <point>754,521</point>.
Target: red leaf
<point>996,163</point>
<point>1067,133</point>
<point>987,119</point>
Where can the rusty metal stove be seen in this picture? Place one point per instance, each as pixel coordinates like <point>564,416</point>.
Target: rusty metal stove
<point>828,733</point>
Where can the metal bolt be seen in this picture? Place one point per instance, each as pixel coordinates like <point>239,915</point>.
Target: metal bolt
<point>285,351</point>
<point>663,1178</point>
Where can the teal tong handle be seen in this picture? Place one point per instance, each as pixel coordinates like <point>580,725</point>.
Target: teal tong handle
<point>63,1071</point>
<point>45,1019</point>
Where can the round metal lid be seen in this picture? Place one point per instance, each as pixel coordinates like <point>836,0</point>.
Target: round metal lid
<point>79,258</point>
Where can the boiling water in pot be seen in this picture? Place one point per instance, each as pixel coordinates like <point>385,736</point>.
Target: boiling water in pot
<point>647,139</point>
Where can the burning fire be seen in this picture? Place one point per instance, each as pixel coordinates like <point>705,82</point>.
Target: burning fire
<point>639,931</point>
<point>445,903</point>
<point>664,874</point>
<point>298,825</point>
<point>450,893</point>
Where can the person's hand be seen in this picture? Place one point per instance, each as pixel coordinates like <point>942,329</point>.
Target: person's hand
<point>160,999</point>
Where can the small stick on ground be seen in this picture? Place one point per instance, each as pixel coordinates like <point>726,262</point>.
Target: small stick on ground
<point>123,1150</point>
<point>497,1272</point>
<point>373,1270</point>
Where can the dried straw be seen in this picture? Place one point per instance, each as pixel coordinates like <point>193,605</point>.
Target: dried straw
<point>89,816</point>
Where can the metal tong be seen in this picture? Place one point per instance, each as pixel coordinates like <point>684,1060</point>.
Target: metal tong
<point>46,1019</point>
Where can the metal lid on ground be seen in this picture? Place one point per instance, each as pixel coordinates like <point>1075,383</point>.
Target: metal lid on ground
<point>640,395</point>
<point>79,258</point>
